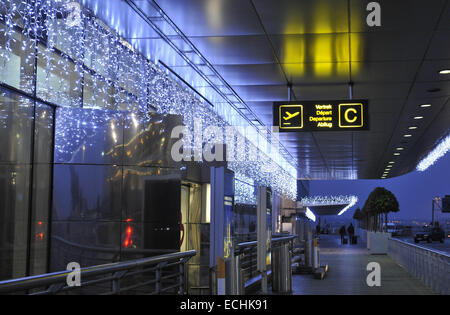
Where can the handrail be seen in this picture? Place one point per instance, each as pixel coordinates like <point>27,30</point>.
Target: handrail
<point>428,265</point>
<point>118,269</point>
<point>273,241</point>
<point>246,256</point>
<point>438,252</point>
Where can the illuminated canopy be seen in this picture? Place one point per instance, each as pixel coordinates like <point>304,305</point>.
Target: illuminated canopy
<point>329,205</point>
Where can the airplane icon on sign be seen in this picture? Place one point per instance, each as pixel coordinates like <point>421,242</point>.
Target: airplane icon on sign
<point>290,116</point>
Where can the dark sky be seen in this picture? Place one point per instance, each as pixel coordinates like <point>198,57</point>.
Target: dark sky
<point>414,191</point>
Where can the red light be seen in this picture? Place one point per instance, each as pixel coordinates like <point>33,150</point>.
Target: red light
<point>39,223</point>
<point>128,220</point>
<point>128,240</point>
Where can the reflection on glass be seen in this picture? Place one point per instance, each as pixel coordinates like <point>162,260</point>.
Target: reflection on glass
<point>16,117</point>
<point>148,140</point>
<point>152,195</point>
<point>87,192</point>
<point>14,192</point>
<point>88,136</point>
<point>58,79</point>
<point>43,138</point>
<point>17,60</point>
<point>88,243</point>
<point>97,93</point>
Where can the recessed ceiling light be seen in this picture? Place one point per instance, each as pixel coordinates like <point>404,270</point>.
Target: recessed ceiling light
<point>445,71</point>
<point>391,162</point>
<point>407,136</point>
<point>412,128</point>
<point>425,105</point>
<point>397,153</point>
<point>399,149</point>
<point>418,117</point>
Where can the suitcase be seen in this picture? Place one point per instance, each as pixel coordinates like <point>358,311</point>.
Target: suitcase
<point>345,241</point>
<point>354,240</point>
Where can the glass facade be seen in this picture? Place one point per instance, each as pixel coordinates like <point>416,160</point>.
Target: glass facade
<point>80,153</point>
<point>80,174</point>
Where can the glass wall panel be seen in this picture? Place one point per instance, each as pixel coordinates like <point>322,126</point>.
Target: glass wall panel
<point>14,205</point>
<point>16,120</point>
<point>59,80</point>
<point>17,60</point>
<point>152,195</point>
<point>86,193</point>
<point>148,140</point>
<point>87,243</point>
<point>97,93</point>
<point>88,136</point>
<point>42,179</point>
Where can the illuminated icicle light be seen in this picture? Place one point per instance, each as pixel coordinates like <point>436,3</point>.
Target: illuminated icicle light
<point>327,200</point>
<point>439,151</point>
<point>114,76</point>
<point>353,201</point>
<point>310,215</point>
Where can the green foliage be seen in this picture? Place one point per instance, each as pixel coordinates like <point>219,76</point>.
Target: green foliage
<point>357,215</point>
<point>380,201</point>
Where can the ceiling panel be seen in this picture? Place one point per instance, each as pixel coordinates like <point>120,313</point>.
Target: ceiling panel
<point>235,49</point>
<point>259,74</point>
<point>388,46</point>
<point>440,46</point>
<point>429,71</point>
<point>398,15</point>
<point>380,90</point>
<point>306,16</point>
<point>262,92</point>
<point>445,18</point>
<point>387,71</point>
<point>212,17</point>
<point>321,92</point>
<point>311,48</point>
<point>317,73</point>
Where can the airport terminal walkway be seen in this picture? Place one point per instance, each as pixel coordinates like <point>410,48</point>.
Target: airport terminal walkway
<point>347,272</point>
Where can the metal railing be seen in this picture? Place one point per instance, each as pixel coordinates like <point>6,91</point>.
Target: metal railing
<point>430,266</point>
<point>245,263</point>
<point>151,275</point>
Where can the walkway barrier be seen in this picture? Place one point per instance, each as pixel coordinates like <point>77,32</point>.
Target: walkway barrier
<point>151,275</point>
<point>245,274</point>
<point>430,266</point>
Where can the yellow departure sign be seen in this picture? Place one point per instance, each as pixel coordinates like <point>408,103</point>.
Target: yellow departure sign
<point>321,115</point>
<point>291,116</point>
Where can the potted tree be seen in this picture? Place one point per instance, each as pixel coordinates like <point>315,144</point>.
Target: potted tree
<point>381,202</point>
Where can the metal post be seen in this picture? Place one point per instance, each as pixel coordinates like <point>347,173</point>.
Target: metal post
<point>181,278</point>
<point>432,212</point>
<point>158,279</point>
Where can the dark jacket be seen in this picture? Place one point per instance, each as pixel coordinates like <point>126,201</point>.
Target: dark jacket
<point>351,229</point>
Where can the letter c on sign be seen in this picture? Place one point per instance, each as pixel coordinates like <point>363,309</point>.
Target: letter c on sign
<point>354,116</point>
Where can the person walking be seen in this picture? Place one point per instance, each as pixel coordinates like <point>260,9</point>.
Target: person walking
<point>351,233</point>
<point>342,232</point>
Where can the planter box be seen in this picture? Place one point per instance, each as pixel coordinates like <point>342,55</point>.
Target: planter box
<point>377,242</point>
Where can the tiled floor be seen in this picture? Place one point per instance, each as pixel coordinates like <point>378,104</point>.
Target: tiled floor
<point>347,273</point>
